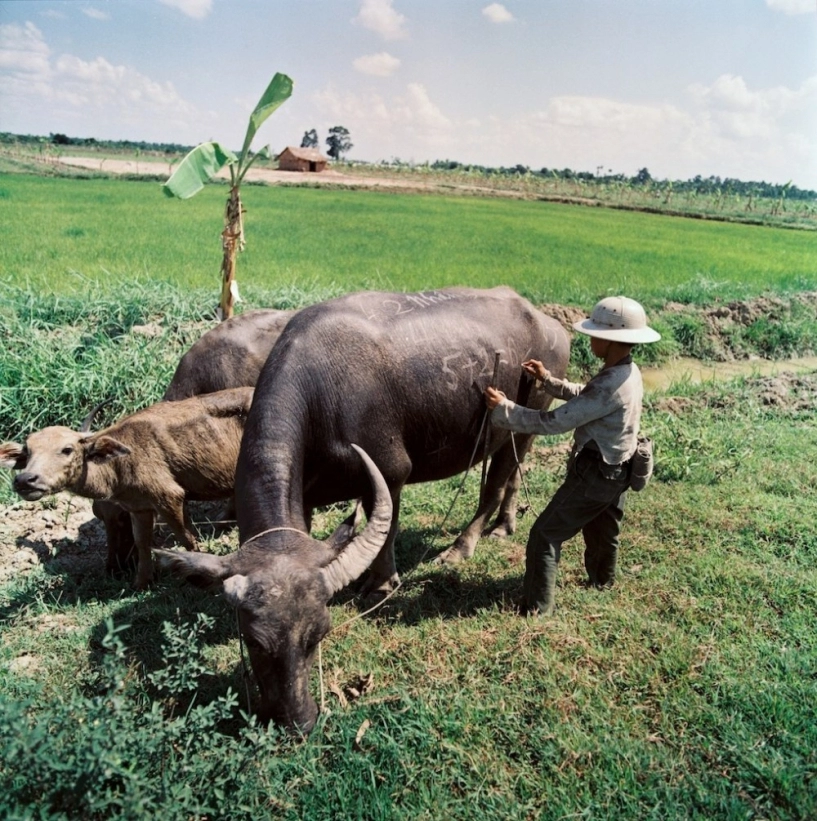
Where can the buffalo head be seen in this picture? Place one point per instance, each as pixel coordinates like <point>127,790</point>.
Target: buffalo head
<point>55,459</point>
<point>281,583</point>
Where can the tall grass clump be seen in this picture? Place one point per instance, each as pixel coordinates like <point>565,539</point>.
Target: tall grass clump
<point>114,749</point>
<point>63,353</point>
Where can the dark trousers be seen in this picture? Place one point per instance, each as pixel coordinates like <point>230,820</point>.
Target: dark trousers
<point>590,500</point>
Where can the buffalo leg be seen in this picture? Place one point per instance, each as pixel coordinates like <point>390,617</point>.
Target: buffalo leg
<point>500,477</point>
<point>177,516</point>
<point>505,522</point>
<point>118,535</point>
<point>142,522</point>
<point>382,577</point>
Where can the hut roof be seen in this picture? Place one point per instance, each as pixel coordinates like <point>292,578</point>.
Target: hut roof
<point>310,154</point>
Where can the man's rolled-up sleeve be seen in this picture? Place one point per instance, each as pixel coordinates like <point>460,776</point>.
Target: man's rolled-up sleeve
<point>578,411</point>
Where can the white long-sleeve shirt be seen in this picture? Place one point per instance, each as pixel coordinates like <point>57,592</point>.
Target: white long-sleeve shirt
<point>607,410</point>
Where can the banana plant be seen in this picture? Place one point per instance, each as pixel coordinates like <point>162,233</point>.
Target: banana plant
<point>206,160</point>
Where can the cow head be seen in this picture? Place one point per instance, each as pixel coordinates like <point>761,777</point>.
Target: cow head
<point>281,584</point>
<point>55,459</point>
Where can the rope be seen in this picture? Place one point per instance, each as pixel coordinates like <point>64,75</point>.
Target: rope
<point>245,669</point>
<point>271,530</point>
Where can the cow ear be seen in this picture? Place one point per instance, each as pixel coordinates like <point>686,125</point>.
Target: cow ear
<point>105,448</point>
<point>13,456</point>
<point>235,589</point>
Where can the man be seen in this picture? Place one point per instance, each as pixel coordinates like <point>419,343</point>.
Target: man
<point>605,415</point>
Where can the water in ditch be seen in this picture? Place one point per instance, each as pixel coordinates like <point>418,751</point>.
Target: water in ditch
<point>693,370</point>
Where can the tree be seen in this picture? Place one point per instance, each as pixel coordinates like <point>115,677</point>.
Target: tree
<point>642,177</point>
<point>310,139</point>
<point>206,160</point>
<point>338,141</point>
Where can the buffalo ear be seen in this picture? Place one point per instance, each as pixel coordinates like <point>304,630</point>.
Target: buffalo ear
<point>13,456</point>
<point>200,569</point>
<point>105,448</point>
<point>235,589</point>
<point>345,531</point>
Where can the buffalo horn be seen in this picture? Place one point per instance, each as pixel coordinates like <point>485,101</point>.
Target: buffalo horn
<point>89,419</point>
<point>350,564</point>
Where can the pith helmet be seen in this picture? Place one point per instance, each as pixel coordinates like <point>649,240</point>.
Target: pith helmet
<point>619,319</point>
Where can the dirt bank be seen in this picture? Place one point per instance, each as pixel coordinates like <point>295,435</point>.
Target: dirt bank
<point>330,177</point>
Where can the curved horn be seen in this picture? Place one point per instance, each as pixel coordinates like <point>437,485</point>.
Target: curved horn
<point>85,427</point>
<point>360,553</point>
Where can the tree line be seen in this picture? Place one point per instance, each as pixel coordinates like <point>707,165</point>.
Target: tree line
<point>712,185</point>
<point>338,142</point>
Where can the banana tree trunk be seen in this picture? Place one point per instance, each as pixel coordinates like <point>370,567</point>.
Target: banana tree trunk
<point>232,241</point>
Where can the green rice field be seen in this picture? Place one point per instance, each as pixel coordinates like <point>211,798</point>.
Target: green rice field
<point>73,235</point>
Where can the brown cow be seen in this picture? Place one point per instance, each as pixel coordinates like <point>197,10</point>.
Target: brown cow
<point>147,463</point>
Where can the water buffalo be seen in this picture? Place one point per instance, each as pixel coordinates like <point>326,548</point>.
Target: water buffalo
<point>149,462</point>
<point>401,375</point>
<point>230,355</point>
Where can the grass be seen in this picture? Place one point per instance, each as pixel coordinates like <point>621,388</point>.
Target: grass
<point>75,236</point>
<point>686,691</point>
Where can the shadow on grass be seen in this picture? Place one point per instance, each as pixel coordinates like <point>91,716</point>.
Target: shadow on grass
<point>446,591</point>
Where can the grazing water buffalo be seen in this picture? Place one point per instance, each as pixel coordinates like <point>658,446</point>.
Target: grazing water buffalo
<point>230,355</point>
<point>149,462</point>
<point>400,375</point>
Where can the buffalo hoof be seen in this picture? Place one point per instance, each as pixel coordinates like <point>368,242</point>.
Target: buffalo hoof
<point>501,530</point>
<point>373,594</point>
<point>372,600</point>
<point>454,555</point>
<point>142,582</point>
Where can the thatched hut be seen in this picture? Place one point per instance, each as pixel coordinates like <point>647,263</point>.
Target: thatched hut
<point>301,159</point>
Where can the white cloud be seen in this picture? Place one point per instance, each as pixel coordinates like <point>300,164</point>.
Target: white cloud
<point>497,13</point>
<point>380,127</point>
<point>724,128</point>
<point>94,97</point>
<point>95,14</point>
<point>197,9</point>
<point>380,17</point>
<point>773,128</point>
<point>793,6</point>
<point>24,55</point>
<point>378,65</point>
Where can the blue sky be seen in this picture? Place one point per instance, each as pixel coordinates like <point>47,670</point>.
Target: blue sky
<point>683,87</point>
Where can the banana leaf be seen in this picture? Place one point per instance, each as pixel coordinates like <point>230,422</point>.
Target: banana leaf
<point>199,166</point>
<point>278,91</point>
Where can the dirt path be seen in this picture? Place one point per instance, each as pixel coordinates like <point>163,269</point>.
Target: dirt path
<point>330,177</point>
